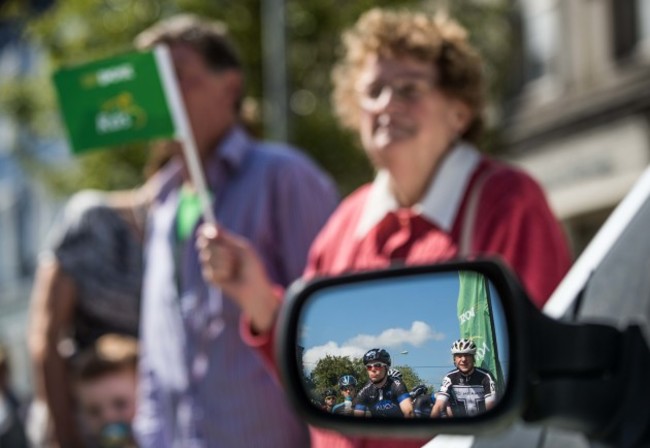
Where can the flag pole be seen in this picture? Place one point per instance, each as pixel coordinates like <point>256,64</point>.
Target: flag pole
<point>497,361</point>
<point>183,129</point>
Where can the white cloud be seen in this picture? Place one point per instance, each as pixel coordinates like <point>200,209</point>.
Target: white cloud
<point>314,354</point>
<point>418,334</point>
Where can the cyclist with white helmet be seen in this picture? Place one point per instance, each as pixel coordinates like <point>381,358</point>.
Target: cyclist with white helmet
<point>348,388</point>
<point>383,395</point>
<point>468,390</point>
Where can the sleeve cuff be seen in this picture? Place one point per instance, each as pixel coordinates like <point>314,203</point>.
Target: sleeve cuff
<point>253,338</point>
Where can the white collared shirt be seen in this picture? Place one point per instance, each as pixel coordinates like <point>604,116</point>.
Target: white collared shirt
<point>442,199</point>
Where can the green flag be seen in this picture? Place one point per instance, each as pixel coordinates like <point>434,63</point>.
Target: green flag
<point>115,101</point>
<point>476,322</point>
<point>129,98</point>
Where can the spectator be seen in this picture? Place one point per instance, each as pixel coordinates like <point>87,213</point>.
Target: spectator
<point>411,86</point>
<point>198,378</point>
<point>105,384</point>
<point>87,284</point>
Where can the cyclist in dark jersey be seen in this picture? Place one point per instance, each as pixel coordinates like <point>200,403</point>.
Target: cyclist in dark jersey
<point>422,401</point>
<point>395,374</point>
<point>329,398</point>
<point>383,395</point>
<point>468,390</point>
<point>348,388</point>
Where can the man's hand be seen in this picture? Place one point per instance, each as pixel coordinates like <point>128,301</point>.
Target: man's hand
<point>230,262</point>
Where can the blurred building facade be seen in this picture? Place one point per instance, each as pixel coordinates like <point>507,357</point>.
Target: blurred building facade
<point>26,209</point>
<point>580,119</point>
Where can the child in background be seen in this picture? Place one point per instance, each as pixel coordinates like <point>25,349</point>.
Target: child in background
<point>105,388</point>
<point>12,433</point>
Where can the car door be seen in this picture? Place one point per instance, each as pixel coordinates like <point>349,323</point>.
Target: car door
<point>609,283</point>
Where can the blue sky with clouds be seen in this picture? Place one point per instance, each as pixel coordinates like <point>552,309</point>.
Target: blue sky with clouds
<point>413,315</point>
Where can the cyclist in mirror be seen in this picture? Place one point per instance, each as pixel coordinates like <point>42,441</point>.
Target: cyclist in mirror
<point>348,388</point>
<point>329,398</point>
<point>395,374</point>
<point>469,390</point>
<point>383,395</point>
<point>422,401</point>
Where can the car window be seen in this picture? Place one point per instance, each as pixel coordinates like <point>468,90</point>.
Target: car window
<point>618,291</point>
<point>609,281</point>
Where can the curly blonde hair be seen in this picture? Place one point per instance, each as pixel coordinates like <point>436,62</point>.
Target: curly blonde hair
<point>437,39</point>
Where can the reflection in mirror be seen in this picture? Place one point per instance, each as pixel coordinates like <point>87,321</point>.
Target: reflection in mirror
<point>429,345</point>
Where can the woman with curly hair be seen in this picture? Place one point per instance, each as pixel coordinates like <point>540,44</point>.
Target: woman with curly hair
<point>411,86</point>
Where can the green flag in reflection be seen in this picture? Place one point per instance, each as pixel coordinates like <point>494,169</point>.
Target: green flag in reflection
<point>476,322</point>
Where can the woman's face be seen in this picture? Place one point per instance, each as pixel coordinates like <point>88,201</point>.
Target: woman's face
<point>405,120</point>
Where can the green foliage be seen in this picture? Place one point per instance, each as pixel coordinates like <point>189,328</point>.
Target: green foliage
<point>76,31</point>
<point>329,369</point>
<point>491,29</point>
<point>92,30</point>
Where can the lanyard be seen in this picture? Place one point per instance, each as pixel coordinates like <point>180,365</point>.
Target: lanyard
<point>205,315</point>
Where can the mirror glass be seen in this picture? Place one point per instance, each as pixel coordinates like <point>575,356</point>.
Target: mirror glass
<point>430,345</point>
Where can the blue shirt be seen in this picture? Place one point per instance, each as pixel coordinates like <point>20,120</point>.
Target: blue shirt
<point>200,385</point>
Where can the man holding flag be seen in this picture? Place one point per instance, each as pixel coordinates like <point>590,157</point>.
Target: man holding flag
<point>197,377</point>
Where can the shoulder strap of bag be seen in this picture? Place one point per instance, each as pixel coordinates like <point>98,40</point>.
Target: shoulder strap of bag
<point>467,231</point>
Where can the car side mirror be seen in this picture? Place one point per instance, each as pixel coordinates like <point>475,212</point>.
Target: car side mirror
<point>519,364</point>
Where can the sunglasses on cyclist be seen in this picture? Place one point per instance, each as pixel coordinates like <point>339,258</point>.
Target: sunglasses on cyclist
<point>375,365</point>
<point>347,388</point>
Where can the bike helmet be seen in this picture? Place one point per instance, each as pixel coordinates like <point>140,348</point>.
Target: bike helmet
<point>377,355</point>
<point>329,393</point>
<point>347,381</point>
<point>418,390</point>
<point>463,346</point>
<point>395,374</point>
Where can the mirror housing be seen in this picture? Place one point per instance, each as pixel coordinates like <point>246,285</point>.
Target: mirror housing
<point>564,374</point>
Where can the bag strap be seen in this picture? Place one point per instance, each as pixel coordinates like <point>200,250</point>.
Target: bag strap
<point>467,231</point>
